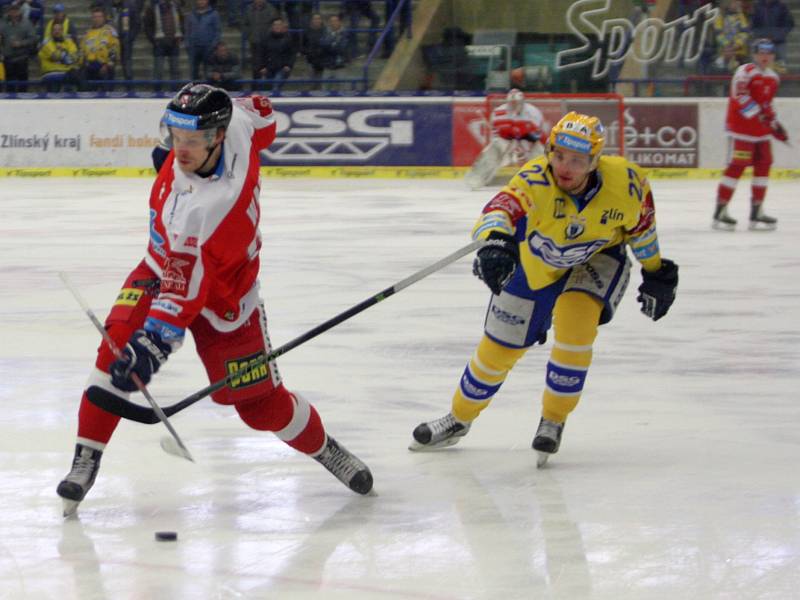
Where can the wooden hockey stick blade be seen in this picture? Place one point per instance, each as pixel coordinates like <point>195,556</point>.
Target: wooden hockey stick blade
<point>142,414</point>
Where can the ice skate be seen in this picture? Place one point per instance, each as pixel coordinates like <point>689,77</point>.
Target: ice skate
<point>761,222</point>
<point>74,487</point>
<point>722,220</point>
<point>547,440</point>
<point>440,433</point>
<point>345,466</point>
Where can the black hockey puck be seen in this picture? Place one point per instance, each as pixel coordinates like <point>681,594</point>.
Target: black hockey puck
<point>166,536</point>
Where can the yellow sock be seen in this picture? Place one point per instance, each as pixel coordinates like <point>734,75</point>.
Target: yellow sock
<point>485,373</point>
<point>575,319</point>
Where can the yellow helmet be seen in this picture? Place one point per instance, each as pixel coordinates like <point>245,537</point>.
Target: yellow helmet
<point>579,133</point>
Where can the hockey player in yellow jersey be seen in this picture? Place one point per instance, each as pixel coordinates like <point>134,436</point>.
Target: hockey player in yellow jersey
<point>556,239</point>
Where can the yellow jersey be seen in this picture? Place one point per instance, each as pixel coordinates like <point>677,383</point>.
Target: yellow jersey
<point>100,45</point>
<point>560,231</point>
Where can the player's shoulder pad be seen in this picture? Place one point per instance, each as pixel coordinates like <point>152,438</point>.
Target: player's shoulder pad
<point>614,162</point>
<point>536,160</point>
<point>260,105</point>
<point>619,166</point>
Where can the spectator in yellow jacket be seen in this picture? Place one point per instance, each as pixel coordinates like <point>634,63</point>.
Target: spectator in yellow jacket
<point>100,48</point>
<point>60,16</point>
<point>732,33</point>
<point>59,60</point>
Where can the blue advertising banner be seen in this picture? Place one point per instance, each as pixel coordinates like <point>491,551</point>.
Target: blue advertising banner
<point>358,133</point>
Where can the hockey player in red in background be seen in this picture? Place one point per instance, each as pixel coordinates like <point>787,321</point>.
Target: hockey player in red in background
<point>751,123</point>
<point>200,273</point>
<point>518,129</point>
<point>518,120</point>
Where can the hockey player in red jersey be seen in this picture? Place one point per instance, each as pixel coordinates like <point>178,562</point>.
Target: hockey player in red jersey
<point>751,123</point>
<point>200,273</point>
<point>518,130</point>
<point>518,120</point>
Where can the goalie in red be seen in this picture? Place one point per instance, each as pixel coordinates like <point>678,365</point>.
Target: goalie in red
<point>518,134</point>
<point>751,123</point>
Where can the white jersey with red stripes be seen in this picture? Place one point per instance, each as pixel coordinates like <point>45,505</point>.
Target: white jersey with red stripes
<point>751,94</point>
<point>204,238</point>
<point>513,125</point>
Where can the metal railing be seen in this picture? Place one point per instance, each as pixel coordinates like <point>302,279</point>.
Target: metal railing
<point>688,86</point>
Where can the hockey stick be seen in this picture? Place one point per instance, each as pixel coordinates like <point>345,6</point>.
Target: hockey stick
<point>142,414</point>
<point>158,414</point>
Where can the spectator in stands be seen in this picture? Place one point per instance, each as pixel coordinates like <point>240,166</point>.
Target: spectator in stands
<point>127,16</point>
<point>748,7</point>
<point>100,49</point>
<point>59,60</point>
<point>19,44</point>
<point>33,11</point>
<point>60,16</point>
<point>357,9</point>
<point>732,32</point>
<point>337,49</point>
<point>260,16</point>
<point>313,47</point>
<point>235,11</point>
<point>298,15</point>
<point>687,7</point>
<point>163,26</point>
<point>203,32</point>
<point>772,19</point>
<point>223,68</point>
<point>279,55</point>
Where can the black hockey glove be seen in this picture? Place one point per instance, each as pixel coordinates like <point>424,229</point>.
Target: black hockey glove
<point>144,354</point>
<point>657,292</point>
<point>496,261</point>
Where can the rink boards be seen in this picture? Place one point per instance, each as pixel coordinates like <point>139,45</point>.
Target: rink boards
<point>383,137</point>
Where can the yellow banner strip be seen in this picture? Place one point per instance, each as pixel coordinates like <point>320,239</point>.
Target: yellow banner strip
<point>356,172</point>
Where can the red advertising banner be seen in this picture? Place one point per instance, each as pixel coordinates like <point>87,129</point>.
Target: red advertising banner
<point>662,135</point>
<point>470,131</point>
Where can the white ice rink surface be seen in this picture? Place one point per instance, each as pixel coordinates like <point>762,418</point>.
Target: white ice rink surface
<point>677,478</point>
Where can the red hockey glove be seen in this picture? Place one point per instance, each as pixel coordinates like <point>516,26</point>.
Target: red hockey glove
<point>778,132</point>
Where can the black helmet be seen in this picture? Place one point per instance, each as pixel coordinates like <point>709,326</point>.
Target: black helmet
<point>199,106</point>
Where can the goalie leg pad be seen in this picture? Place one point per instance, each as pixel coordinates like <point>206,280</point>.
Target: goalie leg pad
<point>488,162</point>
